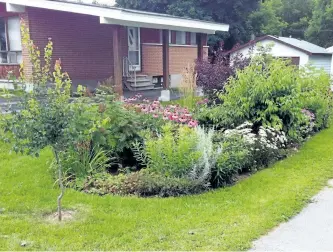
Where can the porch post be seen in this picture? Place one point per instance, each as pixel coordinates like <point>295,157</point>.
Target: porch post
<point>117,60</point>
<point>166,72</point>
<point>200,46</point>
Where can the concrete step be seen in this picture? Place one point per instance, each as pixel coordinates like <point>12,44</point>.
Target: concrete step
<point>143,88</point>
<point>139,80</point>
<point>144,84</point>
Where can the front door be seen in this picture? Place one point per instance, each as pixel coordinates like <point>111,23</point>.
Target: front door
<point>134,49</point>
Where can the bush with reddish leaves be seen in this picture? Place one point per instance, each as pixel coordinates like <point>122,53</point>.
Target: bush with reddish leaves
<point>213,76</point>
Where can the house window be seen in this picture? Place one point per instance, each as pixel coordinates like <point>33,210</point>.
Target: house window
<point>180,38</point>
<point>193,38</point>
<point>161,36</point>
<point>10,41</point>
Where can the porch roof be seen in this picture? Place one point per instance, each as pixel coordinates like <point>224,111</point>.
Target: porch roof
<point>120,16</point>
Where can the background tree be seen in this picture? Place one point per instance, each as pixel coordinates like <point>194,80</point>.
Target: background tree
<point>282,18</point>
<point>320,30</point>
<point>268,19</point>
<point>233,12</point>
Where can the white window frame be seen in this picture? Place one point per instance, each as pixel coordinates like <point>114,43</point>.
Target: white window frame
<point>136,68</point>
<point>10,53</point>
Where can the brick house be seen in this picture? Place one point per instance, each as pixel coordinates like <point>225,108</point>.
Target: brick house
<point>140,50</point>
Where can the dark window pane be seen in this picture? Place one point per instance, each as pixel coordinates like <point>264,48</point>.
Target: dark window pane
<point>3,57</point>
<point>3,42</point>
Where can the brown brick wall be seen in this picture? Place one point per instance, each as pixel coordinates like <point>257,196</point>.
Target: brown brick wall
<point>83,44</point>
<point>180,57</point>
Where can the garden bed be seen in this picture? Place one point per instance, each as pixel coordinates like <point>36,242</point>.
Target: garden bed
<point>226,219</point>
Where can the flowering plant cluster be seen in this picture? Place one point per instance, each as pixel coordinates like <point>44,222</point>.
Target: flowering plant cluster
<point>173,113</point>
<point>265,145</point>
<point>267,137</point>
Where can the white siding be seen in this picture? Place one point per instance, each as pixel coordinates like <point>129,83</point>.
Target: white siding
<point>278,50</point>
<point>321,62</point>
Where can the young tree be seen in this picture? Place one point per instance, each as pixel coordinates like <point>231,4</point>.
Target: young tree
<point>46,117</point>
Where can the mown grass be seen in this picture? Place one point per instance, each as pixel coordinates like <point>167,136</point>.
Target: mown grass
<point>225,219</point>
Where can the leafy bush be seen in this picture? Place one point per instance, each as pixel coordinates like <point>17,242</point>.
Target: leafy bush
<point>316,96</point>
<point>212,77</point>
<point>171,153</point>
<point>234,157</point>
<point>179,152</point>
<point>265,146</point>
<point>142,183</point>
<point>272,93</point>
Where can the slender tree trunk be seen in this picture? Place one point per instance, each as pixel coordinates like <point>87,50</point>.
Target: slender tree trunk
<point>61,184</point>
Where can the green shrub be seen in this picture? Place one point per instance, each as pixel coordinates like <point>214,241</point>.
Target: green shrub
<point>272,93</point>
<point>265,146</point>
<point>171,153</point>
<point>235,157</point>
<point>142,183</point>
<point>316,95</point>
<point>179,151</point>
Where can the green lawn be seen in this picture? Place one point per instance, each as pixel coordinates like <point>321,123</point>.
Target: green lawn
<point>226,219</point>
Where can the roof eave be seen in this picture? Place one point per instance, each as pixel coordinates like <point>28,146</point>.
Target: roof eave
<point>122,16</point>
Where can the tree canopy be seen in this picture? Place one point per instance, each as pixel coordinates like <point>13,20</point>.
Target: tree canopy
<point>303,19</point>
<point>233,12</point>
<point>320,30</point>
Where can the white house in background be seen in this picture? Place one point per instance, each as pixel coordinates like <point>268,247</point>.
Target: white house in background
<point>299,51</point>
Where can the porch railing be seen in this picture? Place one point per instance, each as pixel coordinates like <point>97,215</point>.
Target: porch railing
<point>129,70</point>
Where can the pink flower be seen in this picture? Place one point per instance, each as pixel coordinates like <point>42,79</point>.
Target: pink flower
<point>156,116</point>
<point>175,117</point>
<point>183,119</point>
<point>193,124</point>
<point>167,113</point>
<point>144,109</point>
<point>165,118</point>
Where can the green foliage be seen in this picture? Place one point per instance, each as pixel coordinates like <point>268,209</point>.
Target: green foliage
<point>82,161</point>
<point>143,184</point>
<point>273,93</point>
<point>235,157</point>
<point>43,122</point>
<point>40,69</point>
<point>172,153</point>
<point>316,94</point>
<point>268,19</point>
<point>320,27</point>
<point>233,12</point>
<point>282,18</point>
<point>257,204</point>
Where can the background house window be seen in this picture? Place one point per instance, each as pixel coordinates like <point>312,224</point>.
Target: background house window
<point>10,41</point>
<point>193,38</point>
<point>180,38</point>
<point>161,36</point>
